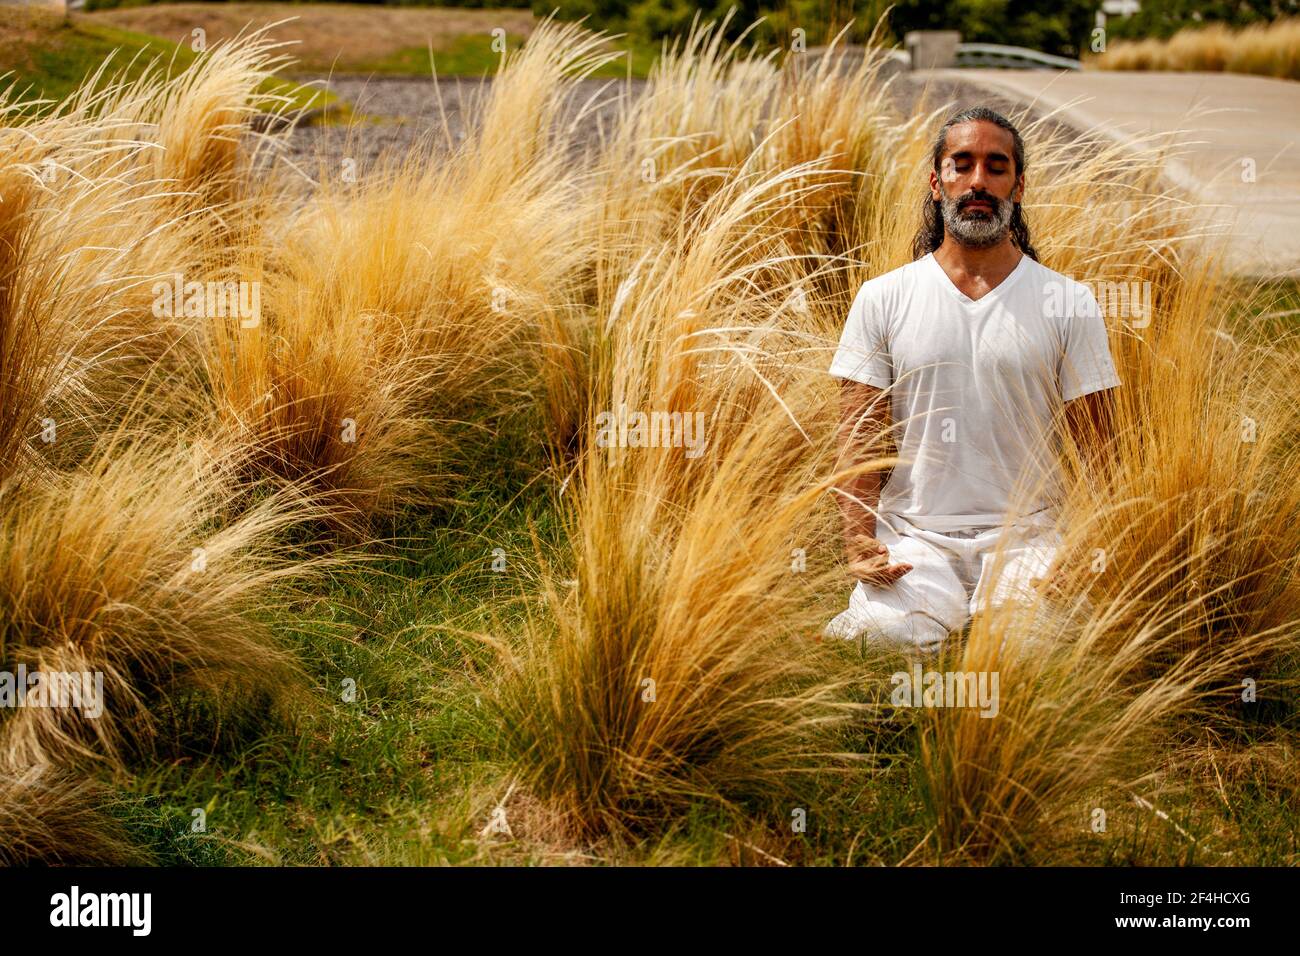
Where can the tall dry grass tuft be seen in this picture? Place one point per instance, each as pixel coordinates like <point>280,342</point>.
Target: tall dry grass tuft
<point>678,666</point>
<point>195,131</point>
<point>390,319</point>
<point>695,121</point>
<point>81,336</point>
<point>26,362</point>
<point>841,114</point>
<point>707,116</point>
<point>1199,512</point>
<point>707,109</point>
<point>1266,49</point>
<point>1176,588</point>
<point>130,185</point>
<point>687,270</point>
<point>51,819</point>
<point>403,313</point>
<point>133,570</point>
<point>1073,729</point>
<point>532,110</point>
<point>1129,644</point>
<point>121,555</point>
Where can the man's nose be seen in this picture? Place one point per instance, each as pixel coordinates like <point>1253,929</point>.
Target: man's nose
<point>978,178</point>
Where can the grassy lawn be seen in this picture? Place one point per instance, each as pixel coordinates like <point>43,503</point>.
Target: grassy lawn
<point>472,55</point>
<point>356,38</point>
<point>407,769</point>
<point>51,57</point>
<point>402,770</point>
<point>408,774</point>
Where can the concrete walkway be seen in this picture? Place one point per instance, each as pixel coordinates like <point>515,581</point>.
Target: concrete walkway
<point>1222,129</point>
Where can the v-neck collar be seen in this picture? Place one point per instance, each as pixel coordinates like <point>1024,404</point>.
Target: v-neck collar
<point>994,293</point>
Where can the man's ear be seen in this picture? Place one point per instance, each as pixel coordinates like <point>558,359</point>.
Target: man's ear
<point>1018,193</point>
<point>935,193</point>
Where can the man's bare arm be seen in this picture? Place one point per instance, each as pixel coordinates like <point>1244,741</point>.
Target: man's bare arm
<point>1090,420</point>
<point>863,424</point>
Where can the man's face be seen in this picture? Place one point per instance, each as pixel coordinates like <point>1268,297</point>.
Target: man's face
<point>977,185</point>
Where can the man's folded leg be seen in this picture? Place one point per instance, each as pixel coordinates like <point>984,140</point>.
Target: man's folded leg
<point>1011,569</point>
<point>1009,578</point>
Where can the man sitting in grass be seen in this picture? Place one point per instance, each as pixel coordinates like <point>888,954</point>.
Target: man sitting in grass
<point>964,359</point>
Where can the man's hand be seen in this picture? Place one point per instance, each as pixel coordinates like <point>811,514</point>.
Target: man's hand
<point>864,421</point>
<point>869,562</point>
<point>1055,582</point>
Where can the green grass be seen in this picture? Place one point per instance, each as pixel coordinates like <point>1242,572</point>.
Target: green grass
<point>390,775</point>
<point>349,771</point>
<point>472,55</point>
<point>51,58</point>
<point>407,773</point>
<point>1281,301</point>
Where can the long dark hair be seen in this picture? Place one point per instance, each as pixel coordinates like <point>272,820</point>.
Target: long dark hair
<point>930,236</point>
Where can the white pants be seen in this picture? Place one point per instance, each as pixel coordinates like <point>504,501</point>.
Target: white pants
<point>953,575</point>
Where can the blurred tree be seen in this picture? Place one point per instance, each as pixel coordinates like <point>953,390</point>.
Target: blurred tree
<point>653,19</point>
<point>1165,18</point>
<point>1052,26</point>
<point>1060,27</point>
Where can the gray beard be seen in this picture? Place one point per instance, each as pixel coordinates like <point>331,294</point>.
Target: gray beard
<point>977,232</point>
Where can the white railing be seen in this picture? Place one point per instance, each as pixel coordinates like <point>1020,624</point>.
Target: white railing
<point>972,55</point>
<point>1011,57</point>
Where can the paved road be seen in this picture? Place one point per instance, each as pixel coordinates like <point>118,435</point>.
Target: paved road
<point>1221,127</point>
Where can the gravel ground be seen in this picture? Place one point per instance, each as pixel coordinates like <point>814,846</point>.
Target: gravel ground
<point>403,114</point>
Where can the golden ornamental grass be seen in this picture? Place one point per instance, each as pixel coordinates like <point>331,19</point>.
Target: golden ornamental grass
<point>698,261</point>
<point>1265,49</point>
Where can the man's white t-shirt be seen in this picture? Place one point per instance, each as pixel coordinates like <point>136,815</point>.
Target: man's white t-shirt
<point>975,385</point>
